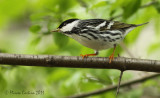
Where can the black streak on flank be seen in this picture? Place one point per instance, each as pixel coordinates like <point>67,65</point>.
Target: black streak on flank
<point>113,34</point>
<point>110,33</point>
<point>92,35</point>
<point>85,37</point>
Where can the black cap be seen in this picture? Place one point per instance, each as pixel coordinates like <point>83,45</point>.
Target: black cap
<point>66,22</point>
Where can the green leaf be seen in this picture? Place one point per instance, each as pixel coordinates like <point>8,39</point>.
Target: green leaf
<point>89,86</point>
<point>72,84</point>
<point>60,40</point>
<point>63,6</point>
<point>134,93</point>
<point>157,6</point>
<point>117,4</point>
<point>99,4</point>
<point>150,83</point>
<point>2,83</point>
<point>76,47</point>
<point>71,14</point>
<point>130,7</point>
<point>117,51</point>
<point>35,28</point>
<point>153,47</point>
<point>102,77</point>
<point>156,25</point>
<point>58,75</point>
<point>35,41</point>
<point>39,16</point>
<point>109,94</point>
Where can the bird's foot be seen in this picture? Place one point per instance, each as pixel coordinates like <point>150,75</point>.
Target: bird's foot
<point>86,55</point>
<point>111,58</point>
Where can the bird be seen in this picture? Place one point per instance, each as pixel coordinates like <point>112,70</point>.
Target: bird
<point>97,34</point>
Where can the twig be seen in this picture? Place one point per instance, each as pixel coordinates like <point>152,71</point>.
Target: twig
<point>110,88</point>
<point>119,82</point>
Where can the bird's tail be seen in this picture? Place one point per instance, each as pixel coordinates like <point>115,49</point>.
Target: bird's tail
<point>141,24</point>
<point>132,27</point>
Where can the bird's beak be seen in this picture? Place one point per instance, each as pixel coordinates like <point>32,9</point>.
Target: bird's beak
<point>57,30</point>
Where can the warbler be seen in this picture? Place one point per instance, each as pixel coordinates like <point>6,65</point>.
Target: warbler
<point>97,34</point>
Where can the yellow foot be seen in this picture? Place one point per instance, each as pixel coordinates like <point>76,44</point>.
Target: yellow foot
<point>111,58</point>
<point>84,56</point>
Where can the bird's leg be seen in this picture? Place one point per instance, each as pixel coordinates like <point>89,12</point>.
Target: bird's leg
<point>111,57</point>
<point>86,55</point>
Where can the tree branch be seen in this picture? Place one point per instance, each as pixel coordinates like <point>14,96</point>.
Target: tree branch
<point>125,84</point>
<point>120,63</point>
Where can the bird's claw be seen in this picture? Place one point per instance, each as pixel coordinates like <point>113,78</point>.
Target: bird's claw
<point>111,58</point>
<point>84,56</point>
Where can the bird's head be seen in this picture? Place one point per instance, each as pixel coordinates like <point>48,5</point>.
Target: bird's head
<point>67,25</point>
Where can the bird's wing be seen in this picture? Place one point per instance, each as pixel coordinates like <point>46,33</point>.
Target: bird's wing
<point>115,25</point>
<point>92,23</point>
<point>104,25</point>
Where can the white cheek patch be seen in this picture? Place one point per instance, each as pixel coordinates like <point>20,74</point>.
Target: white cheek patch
<point>110,24</point>
<point>69,26</point>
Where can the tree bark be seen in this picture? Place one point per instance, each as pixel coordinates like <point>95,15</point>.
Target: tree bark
<point>120,63</point>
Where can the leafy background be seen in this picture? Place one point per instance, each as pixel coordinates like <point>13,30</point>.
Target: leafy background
<point>25,27</point>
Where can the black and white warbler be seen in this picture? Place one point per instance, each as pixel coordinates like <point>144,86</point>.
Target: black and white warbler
<point>97,34</point>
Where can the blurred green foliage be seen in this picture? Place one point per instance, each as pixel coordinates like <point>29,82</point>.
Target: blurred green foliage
<point>25,27</point>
